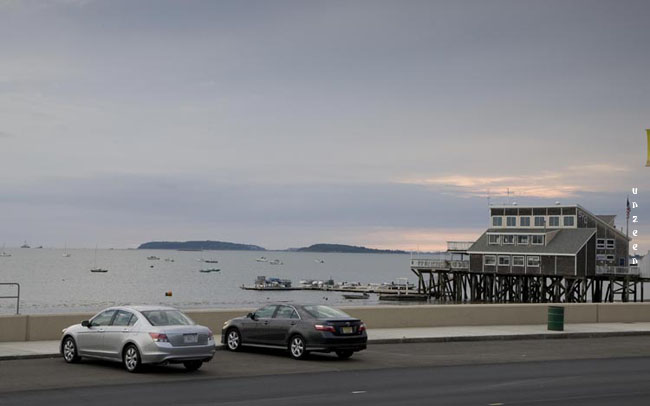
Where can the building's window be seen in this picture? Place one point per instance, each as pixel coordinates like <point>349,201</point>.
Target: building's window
<point>568,221</point>
<point>533,261</point>
<point>508,239</point>
<point>554,221</point>
<point>490,260</point>
<point>524,221</point>
<point>601,257</point>
<point>511,221</point>
<point>517,260</point>
<point>600,243</point>
<point>522,240</point>
<point>504,260</point>
<point>537,239</point>
<point>611,258</point>
<point>497,221</point>
<point>493,239</point>
<point>539,221</point>
<point>611,244</point>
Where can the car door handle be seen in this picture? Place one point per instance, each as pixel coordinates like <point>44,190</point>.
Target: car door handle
<point>266,322</point>
<point>293,323</point>
<point>126,330</point>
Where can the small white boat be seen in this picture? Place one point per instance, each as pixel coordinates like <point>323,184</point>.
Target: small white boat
<point>98,270</point>
<point>3,253</point>
<point>169,259</point>
<point>66,254</point>
<point>319,261</point>
<point>153,258</point>
<point>261,259</point>
<point>25,245</point>
<point>275,262</point>
<point>211,261</point>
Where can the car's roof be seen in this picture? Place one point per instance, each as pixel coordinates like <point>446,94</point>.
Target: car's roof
<point>142,308</point>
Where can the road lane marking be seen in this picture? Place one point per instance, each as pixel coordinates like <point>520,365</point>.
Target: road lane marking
<point>356,392</point>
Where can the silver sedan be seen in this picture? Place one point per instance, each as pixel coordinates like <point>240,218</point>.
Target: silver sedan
<point>137,335</point>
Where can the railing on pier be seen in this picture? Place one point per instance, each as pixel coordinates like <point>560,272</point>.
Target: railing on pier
<point>440,264</point>
<point>17,296</point>
<point>459,245</point>
<point>617,270</point>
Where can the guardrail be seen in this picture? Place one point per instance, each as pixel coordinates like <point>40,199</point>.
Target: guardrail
<point>17,297</point>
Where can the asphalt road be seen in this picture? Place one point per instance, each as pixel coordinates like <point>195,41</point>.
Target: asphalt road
<point>576,371</point>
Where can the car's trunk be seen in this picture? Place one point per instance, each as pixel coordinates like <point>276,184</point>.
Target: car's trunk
<point>182,336</point>
<point>344,327</point>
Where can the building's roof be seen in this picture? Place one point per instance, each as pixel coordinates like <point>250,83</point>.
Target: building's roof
<point>603,218</point>
<point>607,218</point>
<point>567,241</point>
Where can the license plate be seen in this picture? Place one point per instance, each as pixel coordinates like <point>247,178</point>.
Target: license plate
<point>190,338</point>
<point>347,330</point>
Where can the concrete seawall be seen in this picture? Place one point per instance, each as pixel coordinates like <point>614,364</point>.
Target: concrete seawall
<point>48,326</point>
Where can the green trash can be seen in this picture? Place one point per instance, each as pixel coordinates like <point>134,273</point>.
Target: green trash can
<point>556,318</point>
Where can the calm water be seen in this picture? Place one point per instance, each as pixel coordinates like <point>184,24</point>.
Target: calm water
<point>51,283</point>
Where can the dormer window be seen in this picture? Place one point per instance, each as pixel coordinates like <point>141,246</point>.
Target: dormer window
<point>508,239</point>
<point>539,221</point>
<point>554,221</point>
<point>538,240</point>
<point>569,221</point>
<point>493,239</point>
<point>511,221</point>
<point>497,221</point>
<point>524,221</point>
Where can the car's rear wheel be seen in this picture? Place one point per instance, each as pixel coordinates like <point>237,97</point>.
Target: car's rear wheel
<point>344,354</point>
<point>131,358</point>
<point>233,340</point>
<point>192,365</point>
<point>70,354</point>
<point>297,347</point>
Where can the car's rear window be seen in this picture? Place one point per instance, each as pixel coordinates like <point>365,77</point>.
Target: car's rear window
<point>324,312</point>
<point>167,318</point>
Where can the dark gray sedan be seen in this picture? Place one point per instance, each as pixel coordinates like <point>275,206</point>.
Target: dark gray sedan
<point>298,328</point>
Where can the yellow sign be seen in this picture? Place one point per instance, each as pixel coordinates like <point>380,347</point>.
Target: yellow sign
<point>648,161</point>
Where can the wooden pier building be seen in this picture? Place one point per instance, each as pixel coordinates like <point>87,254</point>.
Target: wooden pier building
<point>536,254</point>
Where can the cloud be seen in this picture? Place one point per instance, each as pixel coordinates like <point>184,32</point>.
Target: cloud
<point>568,183</point>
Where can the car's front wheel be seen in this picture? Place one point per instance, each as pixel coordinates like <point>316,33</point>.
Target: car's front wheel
<point>297,347</point>
<point>233,340</point>
<point>70,354</point>
<point>131,358</point>
<point>344,354</point>
<point>192,365</point>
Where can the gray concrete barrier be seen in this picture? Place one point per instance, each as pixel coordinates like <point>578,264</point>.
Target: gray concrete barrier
<point>48,326</point>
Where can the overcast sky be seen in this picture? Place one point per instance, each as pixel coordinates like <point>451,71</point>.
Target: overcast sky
<point>287,123</point>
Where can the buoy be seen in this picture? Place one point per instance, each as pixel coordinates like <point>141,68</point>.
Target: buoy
<point>150,266</point>
<point>168,293</point>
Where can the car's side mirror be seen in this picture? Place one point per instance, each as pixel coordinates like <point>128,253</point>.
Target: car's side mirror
<point>85,323</point>
<point>251,316</point>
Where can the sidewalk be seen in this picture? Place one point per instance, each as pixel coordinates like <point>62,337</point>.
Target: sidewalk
<point>47,349</point>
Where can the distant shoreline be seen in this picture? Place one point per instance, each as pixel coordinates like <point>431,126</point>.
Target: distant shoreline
<point>230,246</point>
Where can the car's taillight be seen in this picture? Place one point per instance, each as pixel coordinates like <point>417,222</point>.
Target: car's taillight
<point>324,327</point>
<point>362,328</point>
<point>159,337</point>
<point>210,335</point>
